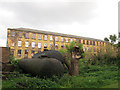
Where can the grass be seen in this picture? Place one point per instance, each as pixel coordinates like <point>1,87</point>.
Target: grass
<point>115,85</point>
<point>89,77</point>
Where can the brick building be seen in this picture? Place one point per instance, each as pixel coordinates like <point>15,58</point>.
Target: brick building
<point>25,42</point>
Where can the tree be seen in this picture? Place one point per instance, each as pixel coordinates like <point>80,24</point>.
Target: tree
<point>113,38</point>
<point>106,39</point>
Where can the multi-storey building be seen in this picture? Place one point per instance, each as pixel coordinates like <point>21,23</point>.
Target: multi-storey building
<point>25,42</point>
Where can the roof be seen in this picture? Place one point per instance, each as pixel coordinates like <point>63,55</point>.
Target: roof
<point>53,33</point>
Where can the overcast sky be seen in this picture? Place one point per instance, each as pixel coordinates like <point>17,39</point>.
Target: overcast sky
<point>87,18</point>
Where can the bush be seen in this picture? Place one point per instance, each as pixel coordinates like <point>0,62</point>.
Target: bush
<point>106,55</point>
<point>27,82</point>
<point>15,63</point>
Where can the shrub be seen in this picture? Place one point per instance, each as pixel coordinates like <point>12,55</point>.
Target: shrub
<point>106,55</point>
<point>27,82</point>
<point>15,63</point>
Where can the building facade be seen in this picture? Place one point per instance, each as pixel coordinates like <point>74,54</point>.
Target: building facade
<point>24,42</point>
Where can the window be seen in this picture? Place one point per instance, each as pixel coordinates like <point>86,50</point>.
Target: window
<point>51,45</point>
<point>12,43</point>
<point>79,40</point>
<point>56,39</point>
<point>32,53</point>
<point>33,36</point>
<point>45,45</point>
<point>19,53</point>
<point>83,41</point>
<point>19,43</point>
<point>66,39</point>
<point>87,42</point>
<point>56,46</point>
<point>71,40</point>
<point>26,53</point>
<point>39,36</point>
<point>93,42</point>
<point>26,44</point>
<point>27,35</point>
<point>75,40</point>
<point>33,44</point>
<point>39,45</point>
<point>62,46</point>
<point>45,37</point>
<point>97,43</point>
<point>83,48</point>
<point>20,34</point>
<point>100,43</point>
<point>62,39</point>
<point>87,48</point>
<point>51,38</point>
<point>12,33</point>
<point>90,42</point>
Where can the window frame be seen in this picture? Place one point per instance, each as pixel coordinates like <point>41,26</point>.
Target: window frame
<point>19,43</point>
<point>45,37</point>
<point>19,55</point>
<point>39,45</point>
<point>26,43</point>
<point>39,37</point>
<point>12,33</point>
<point>20,34</point>
<point>33,44</point>
<point>12,43</point>
<point>33,35</point>
<point>26,35</point>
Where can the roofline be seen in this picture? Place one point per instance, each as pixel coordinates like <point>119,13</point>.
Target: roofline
<point>54,33</point>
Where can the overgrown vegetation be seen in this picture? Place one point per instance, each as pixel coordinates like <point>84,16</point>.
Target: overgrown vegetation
<point>95,71</point>
<point>106,56</point>
<point>89,77</point>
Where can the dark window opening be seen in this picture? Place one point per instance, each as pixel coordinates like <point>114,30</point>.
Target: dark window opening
<point>79,41</point>
<point>56,46</point>
<point>19,53</point>
<point>32,53</point>
<point>87,42</point>
<point>90,42</point>
<point>26,53</point>
<point>83,41</point>
<point>93,42</point>
<point>62,46</point>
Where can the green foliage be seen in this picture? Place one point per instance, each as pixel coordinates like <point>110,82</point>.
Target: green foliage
<point>62,51</point>
<point>15,62</point>
<point>106,39</point>
<point>70,47</point>
<point>106,55</point>
<point>90,77</point>
<point>113,38</point>
<point>35,82</point>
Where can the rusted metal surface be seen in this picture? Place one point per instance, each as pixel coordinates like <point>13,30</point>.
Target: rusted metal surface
<point>5,54</point>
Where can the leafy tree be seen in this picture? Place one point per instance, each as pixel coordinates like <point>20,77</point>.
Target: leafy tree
<point>106,39</point>
<point>113,38</point>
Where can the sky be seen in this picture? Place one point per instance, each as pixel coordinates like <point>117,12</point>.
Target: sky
<point>87,18</point>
